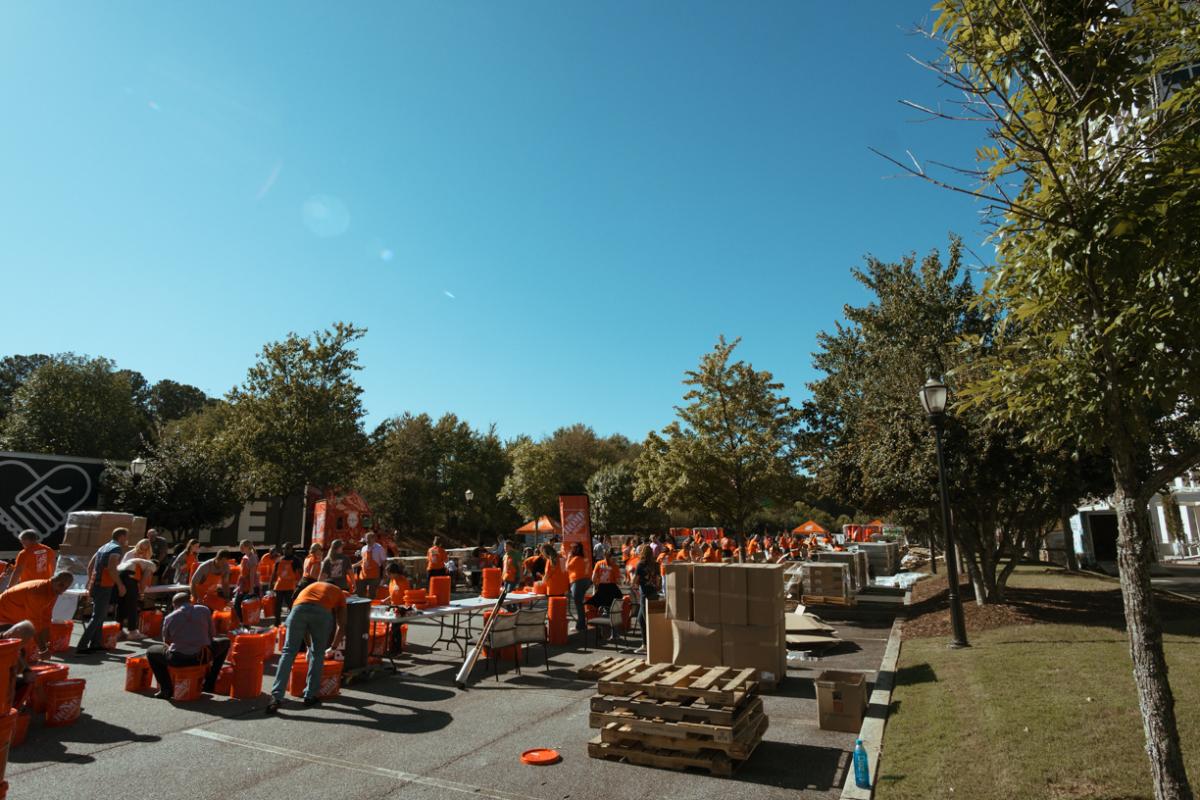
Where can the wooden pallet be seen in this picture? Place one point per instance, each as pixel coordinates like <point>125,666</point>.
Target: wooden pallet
<point>714,685</point>
<point>687,710</point>
<point>593,671</point>
<point>827,600</point>
<point>680,729</point>
<point>712,762</point>
<point>739,749</point>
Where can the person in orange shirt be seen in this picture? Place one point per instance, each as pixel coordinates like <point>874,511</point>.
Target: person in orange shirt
<point>266,566</point>
<point>752,548</point>
<point>397,584</point>
<point>604,577</point>
<point>712,553</point>
<point>581,580</point>
<point>35,562</point>
<point>626,550</point>
<point>435,559</point>
<point>533,565</point>
<point>186,562</point>
<point>284,577</point>
<point>511,567</point>
<point>319,615</point>
<point>311,571</point>
<point>555,576</point>
<point>665,558</point>
<point>34,601</point>
<point>372,560</point>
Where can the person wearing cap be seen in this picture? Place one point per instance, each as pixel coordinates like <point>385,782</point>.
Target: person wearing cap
<point>33,601</point>
<point>318,614</point>
<point>35,561</point>
<point>189,640</point>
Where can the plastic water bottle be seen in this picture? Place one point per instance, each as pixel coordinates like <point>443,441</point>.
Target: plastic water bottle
<point>862,772</point>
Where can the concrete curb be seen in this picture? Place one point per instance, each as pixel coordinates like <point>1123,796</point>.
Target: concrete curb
<point>878,707</point>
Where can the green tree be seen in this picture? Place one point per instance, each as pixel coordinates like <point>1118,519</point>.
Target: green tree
<point>297,417</point>
<point>559,464</point>
<point>188,485</point>
<point>72,405</point>
<point>615,507</point>
<point>1092,176</point>
<point>732,447</point>
<point>14,371</point>
<point>169,401</point>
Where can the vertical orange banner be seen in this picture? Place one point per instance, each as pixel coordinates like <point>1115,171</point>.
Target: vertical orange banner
<point>576,517</point>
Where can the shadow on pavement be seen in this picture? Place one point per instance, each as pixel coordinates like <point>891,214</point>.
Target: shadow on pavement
<point>795,766</point>
<point>50,744</point>
<point>361,713</point>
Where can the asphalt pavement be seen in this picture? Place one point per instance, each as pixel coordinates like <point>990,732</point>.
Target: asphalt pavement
<point>412,735</point>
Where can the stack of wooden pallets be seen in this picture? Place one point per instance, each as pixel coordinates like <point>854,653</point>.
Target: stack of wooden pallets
<point>676,717</point>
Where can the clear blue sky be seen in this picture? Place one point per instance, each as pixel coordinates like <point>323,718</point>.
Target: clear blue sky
<point>543,212</point>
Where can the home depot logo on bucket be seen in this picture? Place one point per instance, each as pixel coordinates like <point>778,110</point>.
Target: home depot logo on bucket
<point>67,710</point>
<point>330,685</point>
<point>185,687</point>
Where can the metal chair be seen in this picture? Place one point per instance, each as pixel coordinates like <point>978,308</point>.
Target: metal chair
<point>503,634</point>
<point>613,621</point>
<point>531,629</point>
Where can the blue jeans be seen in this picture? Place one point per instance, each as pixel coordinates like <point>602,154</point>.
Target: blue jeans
<point>578,593</point>
<point>93,632</point>
<point>312,620</point>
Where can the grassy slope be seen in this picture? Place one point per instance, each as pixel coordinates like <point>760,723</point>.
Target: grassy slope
<point>1011,718</point>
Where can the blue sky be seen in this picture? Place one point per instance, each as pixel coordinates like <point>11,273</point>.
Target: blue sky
<point>543,212</point>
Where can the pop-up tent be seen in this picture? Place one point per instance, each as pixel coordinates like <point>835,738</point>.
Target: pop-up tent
<point>810,527</point>
<point>542,525</point>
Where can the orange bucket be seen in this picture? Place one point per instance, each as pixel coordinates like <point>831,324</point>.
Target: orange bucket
<point>150,623</point>
<point>44,674</point>
<point>439,587</point>
<point>331,679</point>
<point>60,636</point>
<point>21,729</point>
<point>108,635</point>
<point>247,679</point>
<point>189,681</point>
<point>137,674</point>
<point>251,612</point>
<point>556,619</point>
<point>491,583</point>
<point>64,701</point>
<point>8,724</point>
<point>9,650</point>
<point>268,604</point>
<point>380,635</point>
<point>539,587</point>
<point>215,602</point>
<point>222,620</point>
<point>298,677</point>
<point>224,680</point>
<point>253,646</point>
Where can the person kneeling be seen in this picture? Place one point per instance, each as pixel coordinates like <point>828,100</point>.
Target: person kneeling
<point>189,641</point>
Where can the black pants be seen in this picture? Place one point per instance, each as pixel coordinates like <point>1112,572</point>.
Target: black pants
<point>129,606</point>
<point>283,597</point>
<point>160,659</point>
<point>238,599</point>
<point>366,587</point>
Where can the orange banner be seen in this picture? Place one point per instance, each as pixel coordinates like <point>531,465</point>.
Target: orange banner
<point>576,517</point>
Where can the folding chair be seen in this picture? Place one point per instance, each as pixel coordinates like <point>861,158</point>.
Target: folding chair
<point>611,622</point>
<point>531,629</point>
<point>503,634</point>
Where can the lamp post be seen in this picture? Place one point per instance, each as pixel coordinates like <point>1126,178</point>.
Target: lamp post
<point>933,399</point>
<point>137,468</point>
<point>468,495</point>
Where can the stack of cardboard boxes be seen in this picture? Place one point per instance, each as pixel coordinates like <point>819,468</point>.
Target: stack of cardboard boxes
<point>856,560</point>
<point>86,531</point>
<point>822,579</point>
<point>884,557</point>
<point>729,615</point>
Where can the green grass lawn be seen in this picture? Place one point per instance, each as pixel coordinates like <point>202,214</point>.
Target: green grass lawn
<point>1032,711</point>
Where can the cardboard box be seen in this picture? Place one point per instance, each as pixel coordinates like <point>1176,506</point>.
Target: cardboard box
<point>706,593</point>
<point>733,594</point>
<point>764,594</point>
<point>137,530</point>
<point>679,591</point>
<point>695,643</point>
<point>111,520</point>
<point>660,643</point>
<point>757,646</point>
<point>841,700</point>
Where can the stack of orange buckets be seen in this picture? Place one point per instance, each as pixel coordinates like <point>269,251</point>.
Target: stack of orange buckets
<point>491,583</point>
<point>9,648</point>
<point>439,586</point>
<point>556,620</point>
<point>247,654</point>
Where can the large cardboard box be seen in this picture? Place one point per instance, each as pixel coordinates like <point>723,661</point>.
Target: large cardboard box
<point>679,591</point>
<point>706,593</point>
<point>764,594</point>
<point>660,644</point>
<point>733,594</point>
<point>696,643</point>
<point>137,530</point>
<point>111,520</point>
<point>757,646</point>
<point>841,700</point>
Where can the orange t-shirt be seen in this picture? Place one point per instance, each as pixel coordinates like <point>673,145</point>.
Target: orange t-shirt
<point>712,554</point>
<point>285,575</point>
<point>436,557</point>
<point>555,578</point>
<point>604,573</point>
<point>31,600</point>
<point>312,567</point>
<point>396,589</point>
<point>266,565</point>
<point>577,568</point>
<point>36,563</point>
<point>510,569</point>
<point>664,558</point>
<point>192,563</point>
<point>322,594</point>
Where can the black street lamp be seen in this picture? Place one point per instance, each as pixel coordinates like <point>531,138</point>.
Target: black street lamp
<point>137,468</point>
<point>468,495</point>
<point>933,400</point>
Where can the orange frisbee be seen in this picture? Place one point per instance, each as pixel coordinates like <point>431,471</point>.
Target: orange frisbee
<point>540,756</point>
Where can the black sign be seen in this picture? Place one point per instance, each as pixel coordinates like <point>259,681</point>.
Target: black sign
<point>37,492</point>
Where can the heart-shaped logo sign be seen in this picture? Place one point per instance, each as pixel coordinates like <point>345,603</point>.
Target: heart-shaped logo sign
<point>40,502</point>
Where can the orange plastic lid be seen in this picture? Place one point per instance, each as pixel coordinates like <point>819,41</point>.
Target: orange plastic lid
<point>540,756</point>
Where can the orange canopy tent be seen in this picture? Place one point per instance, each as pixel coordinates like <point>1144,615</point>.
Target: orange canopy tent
<point>810,527</point>
<point>542,524</point>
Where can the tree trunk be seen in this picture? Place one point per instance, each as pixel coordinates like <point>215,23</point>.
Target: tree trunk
<point>1068,539</point>
<point>1135,542</point>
